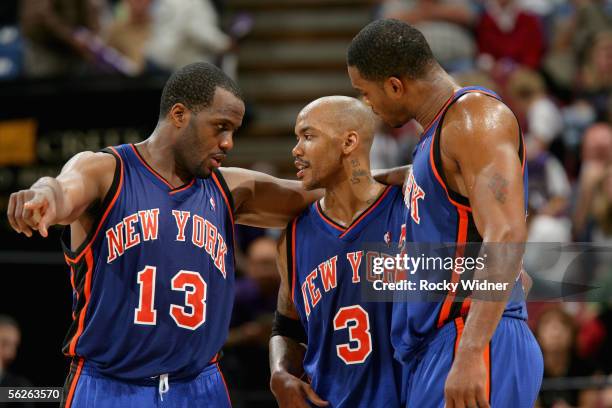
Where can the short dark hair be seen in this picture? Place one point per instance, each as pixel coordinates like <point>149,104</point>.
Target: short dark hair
<point>194,86</point>
<point>389,47</point>
<point>6,320</point>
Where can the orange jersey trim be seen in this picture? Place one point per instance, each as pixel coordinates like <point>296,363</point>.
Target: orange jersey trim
<point>225,198</point>
<point>185,187</point>
<point>365,214</point>
<point>359,219</point>
<point>73,384</point>
<point>224,384</point>
<point>461,239</point>
<point>106,212</point>
<point>83,312</point>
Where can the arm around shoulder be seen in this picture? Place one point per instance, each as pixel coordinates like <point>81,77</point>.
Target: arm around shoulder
<point>261,200</point>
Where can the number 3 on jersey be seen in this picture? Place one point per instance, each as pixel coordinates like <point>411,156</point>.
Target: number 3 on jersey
<point>359,334</point>
<point>195,297</point>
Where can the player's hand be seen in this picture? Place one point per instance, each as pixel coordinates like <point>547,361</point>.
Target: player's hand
<point>466,384</point>
<point>291,392</point>
<point>527,282</point>
<point>31,210</point>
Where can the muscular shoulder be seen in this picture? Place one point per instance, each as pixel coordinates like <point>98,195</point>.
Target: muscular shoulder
<point>478,120</point>
<point>240,182</point>
<point>97,168</point>
<point>94,160</point>
<point>235,176</point>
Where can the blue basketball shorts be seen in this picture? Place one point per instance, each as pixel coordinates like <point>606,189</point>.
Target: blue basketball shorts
<point>87,388</point>
<point>513,357</point>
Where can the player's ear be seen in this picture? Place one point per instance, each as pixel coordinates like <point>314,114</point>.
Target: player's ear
<point>394,87</point>
<point>179,115</point>
<point>350,143</point>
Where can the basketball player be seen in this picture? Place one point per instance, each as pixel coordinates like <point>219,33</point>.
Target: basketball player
<point>349,355</point>
<point>150,248</point>
<point>468,183</point>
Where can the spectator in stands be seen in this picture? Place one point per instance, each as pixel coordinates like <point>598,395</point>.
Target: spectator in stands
<point>596,72</point>
<point>185,31</point>
<point>549,192</point>
<point>256,295</point>
<point>574,25</point>
<point>596,160</point>
<point>530,99</point>
<point>130,32</point>
<point>506,32</point>
<point>556,333</point>
<point>52,47</point>
<point>247,343</point>
<point>10,337</point>
<point>549,188</point>
<point>446,24</point>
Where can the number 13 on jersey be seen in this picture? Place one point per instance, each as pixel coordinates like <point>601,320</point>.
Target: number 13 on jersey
<point>189,282</point>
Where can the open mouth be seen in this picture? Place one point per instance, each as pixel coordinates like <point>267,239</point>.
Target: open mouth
<point>217,159</point>
<point>301,166</point>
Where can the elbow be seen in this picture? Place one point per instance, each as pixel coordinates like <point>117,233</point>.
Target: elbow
<point>507,233</point>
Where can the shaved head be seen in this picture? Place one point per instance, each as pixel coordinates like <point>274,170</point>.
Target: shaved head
<point>338,115</point>
<point>334,138</point>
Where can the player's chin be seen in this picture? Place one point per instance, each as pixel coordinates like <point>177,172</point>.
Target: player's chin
<point>394,122</point>
<point>310,184</point>
<point>204,171</point>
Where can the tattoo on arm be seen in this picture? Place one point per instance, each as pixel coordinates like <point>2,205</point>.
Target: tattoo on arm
<point>499,186</point>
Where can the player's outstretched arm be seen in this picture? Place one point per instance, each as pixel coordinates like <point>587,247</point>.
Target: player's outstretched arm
<point>84,179</point>
<point>483,139</point>
<point>261,200</point>
<point>286,349</point>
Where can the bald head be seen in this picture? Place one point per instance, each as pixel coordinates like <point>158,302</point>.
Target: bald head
<point>337,116</point>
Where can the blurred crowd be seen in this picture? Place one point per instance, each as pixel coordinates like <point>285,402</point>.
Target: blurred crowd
<point>550,60</point>
<point>53,38</point>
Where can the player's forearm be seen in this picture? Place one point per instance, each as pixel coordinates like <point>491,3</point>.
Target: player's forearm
<point>286,356</point>
<point>393,176</point>
<point>63,206</point>
<point>71,196</point>
<point>503,254</point>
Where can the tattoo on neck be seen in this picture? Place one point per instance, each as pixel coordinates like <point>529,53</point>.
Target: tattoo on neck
<point>357,174</point>
<point>499,186</point>
<point>355,163</point>
<point>360,173</point>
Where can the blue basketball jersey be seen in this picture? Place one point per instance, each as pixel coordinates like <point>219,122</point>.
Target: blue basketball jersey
<point>436,214</point>
<point>349,357</point>
<point>153,281</point>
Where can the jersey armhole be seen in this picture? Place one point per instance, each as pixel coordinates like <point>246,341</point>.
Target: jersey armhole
<point>455,196</point>
<point>106,205</point>
<point>220,181</point>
